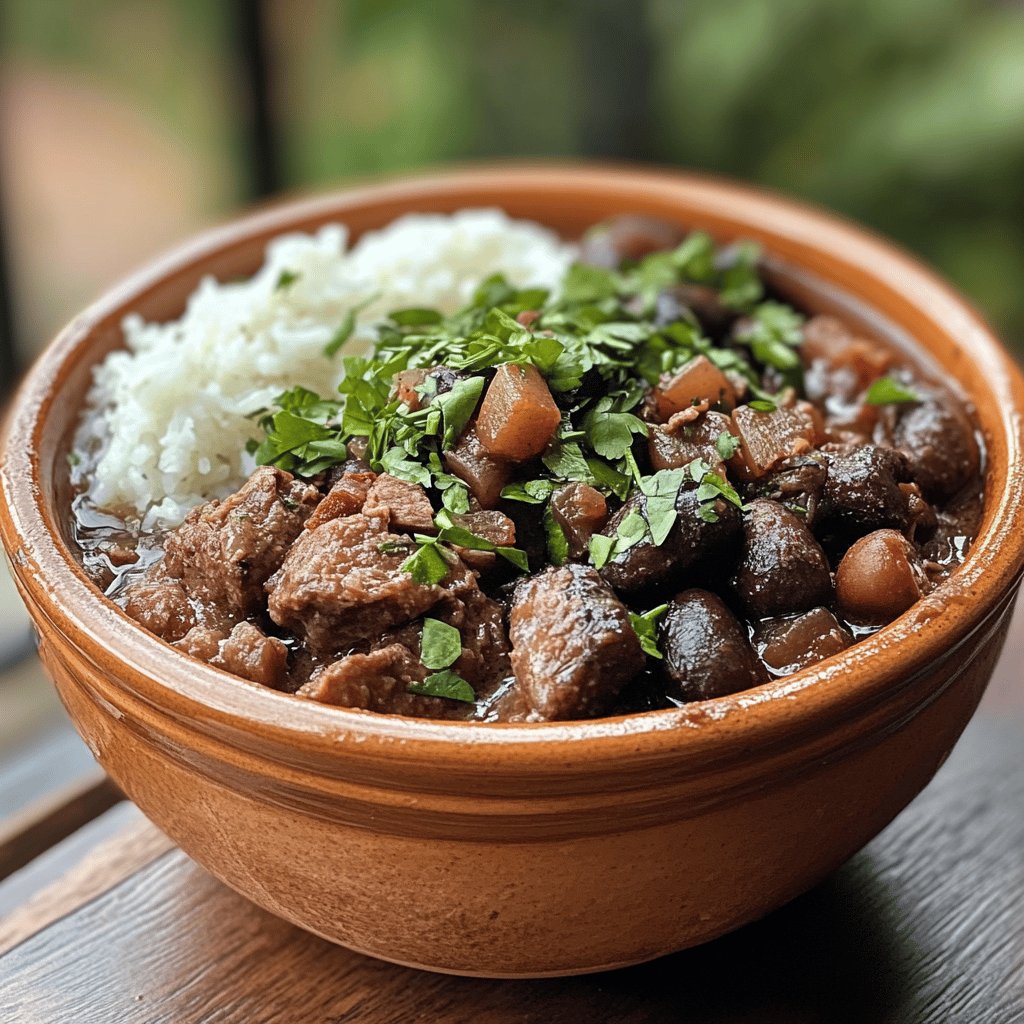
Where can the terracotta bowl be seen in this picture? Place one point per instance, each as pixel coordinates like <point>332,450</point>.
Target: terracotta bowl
<point>545,849</point>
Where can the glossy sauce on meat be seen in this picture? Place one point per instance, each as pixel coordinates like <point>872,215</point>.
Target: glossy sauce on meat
<point>812,521</point>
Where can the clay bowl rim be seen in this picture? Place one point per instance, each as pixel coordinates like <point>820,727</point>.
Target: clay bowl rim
<point>801,706</point>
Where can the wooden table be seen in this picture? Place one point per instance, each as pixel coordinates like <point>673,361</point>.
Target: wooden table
<point>113,924</point>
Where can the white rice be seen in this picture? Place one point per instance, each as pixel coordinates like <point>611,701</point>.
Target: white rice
<point>167,418</point>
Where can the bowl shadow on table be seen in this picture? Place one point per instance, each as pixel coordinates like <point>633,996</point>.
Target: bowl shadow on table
<point>830,955</point>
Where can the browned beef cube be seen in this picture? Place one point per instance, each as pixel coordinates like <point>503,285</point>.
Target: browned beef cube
<point>160,605</point>
<point>226,550</point>
<point>379,681</point>
<point>405,506</point>
<point>573,648</point>
<point>343,582</point>
<point>783,568</point>
<point>248,652</point>
<point>862,489</point>
<point>345,498</point>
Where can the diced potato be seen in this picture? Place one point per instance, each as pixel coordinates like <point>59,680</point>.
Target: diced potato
<point>766,438</point>
<point>518,416</point>
<point>698,381</point>
<point>483,474</point>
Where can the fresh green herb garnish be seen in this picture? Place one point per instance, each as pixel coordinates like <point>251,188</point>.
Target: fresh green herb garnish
<point>557,542</point>
<point>440,644</point>
<point>727,445</point>
<point>427,564</point>
<point>285,278</point>
<point>774,332</point>
<point>888,391</point>
<point>646,628</point>
<point>446,684</point>
<point>596,346</point>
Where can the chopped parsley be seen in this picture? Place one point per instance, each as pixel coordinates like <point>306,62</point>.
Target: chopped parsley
<point>440,644</point>
<point>446,684</point>
<point>646,628</point>
<point>597,346</point>
<point>285,279</point>
<point>888,391</point>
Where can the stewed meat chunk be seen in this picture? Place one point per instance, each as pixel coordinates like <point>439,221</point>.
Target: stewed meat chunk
<point>862,489</point>
<point>344,581</point>
<point>705,648</point>
<point>616,486</point>
<point>573,648</point>
<point>226,550</point>
<point>692,536</point>
<point>782,568</point>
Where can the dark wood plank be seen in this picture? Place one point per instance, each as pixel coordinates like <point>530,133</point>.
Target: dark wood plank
<point>924,926</point>
<point>44,824</point>
<point>86,864</point>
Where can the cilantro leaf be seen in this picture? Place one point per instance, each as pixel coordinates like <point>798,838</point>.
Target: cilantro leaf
<point>446,684</point>
<point>727,445</point>
<point>646,628</point>
<point>601,550</point>
<point>427,565</point>
<point>888,391</point>
<point>557,542</point>
<point>285,278</point>
<point>440,644</point>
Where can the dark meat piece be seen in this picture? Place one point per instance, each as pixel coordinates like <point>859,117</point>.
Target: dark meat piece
<point>403,505</point>
<point>677,443</point>
<point>244,650</point>
<point>879,578</point>
<point>705,648</point>
<point>789,644</point>
<point>573,648</point>
<point>484,661</point>
<point>783,568</point>
<point>862,490</point>
<point>160,605</point>
<point>343,582</point>
<point>628,237</point>
<point>938,440</point>
<point>647,564</point>
<point>483,474</point>
<point>797,483</point>
<point>225,551</point>
<point>496,527</point>
<point>580,510</point>
<point>379,681</point>
<point>345,498</point>
<point>248,652</point>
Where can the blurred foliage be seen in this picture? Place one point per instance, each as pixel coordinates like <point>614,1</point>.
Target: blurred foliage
<point>905,114</point>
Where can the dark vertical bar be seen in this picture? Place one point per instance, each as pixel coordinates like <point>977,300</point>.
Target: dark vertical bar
<point>260,135</point>
<point>617,55</point>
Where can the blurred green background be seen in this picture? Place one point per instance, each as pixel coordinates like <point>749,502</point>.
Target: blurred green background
<point>121,130</point>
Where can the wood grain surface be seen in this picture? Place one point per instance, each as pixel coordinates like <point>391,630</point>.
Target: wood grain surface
<point>925,925</point>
